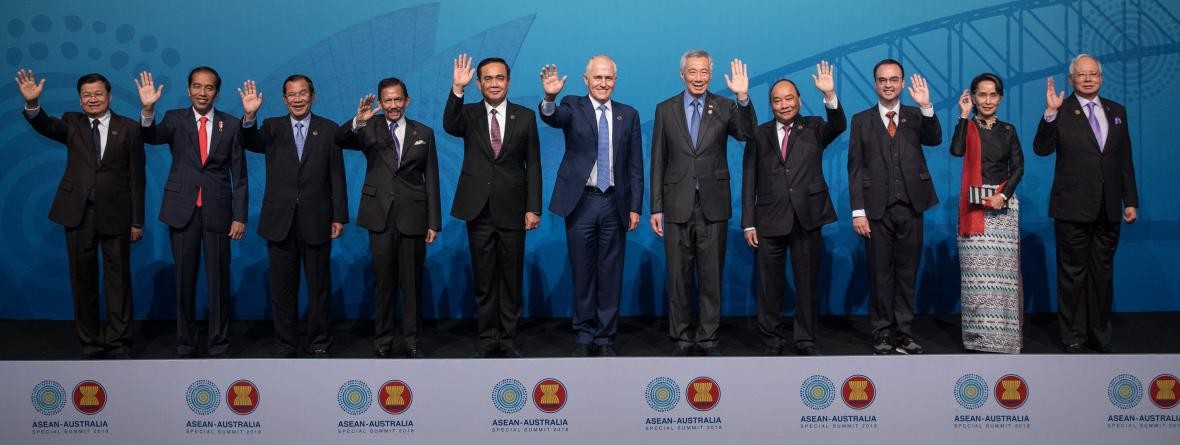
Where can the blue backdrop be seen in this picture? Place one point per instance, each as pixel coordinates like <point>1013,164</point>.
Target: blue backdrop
<point>346,49</point>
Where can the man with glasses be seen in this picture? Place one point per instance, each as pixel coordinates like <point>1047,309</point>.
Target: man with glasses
<point>1093,193</point>
<point>304,207</point>
<point>889,187</point>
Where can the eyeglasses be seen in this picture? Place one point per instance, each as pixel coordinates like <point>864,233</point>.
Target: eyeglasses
<point>1089,75</point>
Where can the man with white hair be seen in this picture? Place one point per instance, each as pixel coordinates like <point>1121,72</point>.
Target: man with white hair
<point>690,192</point>
<point>599,192</point>
<point>1093,189</point>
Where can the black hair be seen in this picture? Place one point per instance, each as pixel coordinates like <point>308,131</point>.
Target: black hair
<point>888,62</point>
<point>490,60</point>
<point>91,78</point>
<point>392,82</point>
<point>296,77</point>
<point>987,76</point>
<point>206,69</point>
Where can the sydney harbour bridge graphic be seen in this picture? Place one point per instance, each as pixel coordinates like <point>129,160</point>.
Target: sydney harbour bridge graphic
<point>1024,42</point>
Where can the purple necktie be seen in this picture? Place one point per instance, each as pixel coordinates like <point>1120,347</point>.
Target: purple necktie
<point>495,136</point>
<point>397,145</point>
<point>1094,126</point>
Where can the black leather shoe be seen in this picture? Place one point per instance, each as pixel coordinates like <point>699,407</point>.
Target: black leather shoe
<point>712,351</point>
<point>882,345</point>
<point>381,353</point>
<point>119,355</point>
<point>772,351</point>
<point>415,352</point>
<point>681,351</point>
<point>809,350</point>
<point>1106,349</point>
<point>512,353</point>
<point>605,351</point>
<point>320,353</point>
<point>1075,348</point>
<point>581,350</point>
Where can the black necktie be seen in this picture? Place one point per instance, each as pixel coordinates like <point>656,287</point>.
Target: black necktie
<point>97,140</point>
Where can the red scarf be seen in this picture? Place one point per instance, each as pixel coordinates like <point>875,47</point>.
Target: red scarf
<point>971,215</point>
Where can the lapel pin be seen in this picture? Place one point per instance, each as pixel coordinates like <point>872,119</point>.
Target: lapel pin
<point>315,133</point>
<point>1077,112</point>
<point>903,120</point>
<point>116,132</point>
<point>619,118</point>
<point>511,117</point>
<point>798,126</point>
<point>219,125</point>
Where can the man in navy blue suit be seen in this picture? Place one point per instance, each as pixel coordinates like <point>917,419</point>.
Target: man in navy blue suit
<point>205,199</point>
<point>599,191</point>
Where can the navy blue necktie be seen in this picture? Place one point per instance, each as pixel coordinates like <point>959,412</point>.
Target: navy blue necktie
<point>603,178</point>
<point>696,122</point>
<point>97,140</point>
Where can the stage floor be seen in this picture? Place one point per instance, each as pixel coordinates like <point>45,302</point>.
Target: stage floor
<point>1139,333</point>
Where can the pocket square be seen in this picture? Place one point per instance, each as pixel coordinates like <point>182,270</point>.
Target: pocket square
<point>419,142</point>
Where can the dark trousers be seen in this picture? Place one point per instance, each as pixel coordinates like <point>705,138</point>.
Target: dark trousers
<point>285,257</point>
<point>187,244</point>
<point>806,248</point>
<point>1085,283</point>
<point>696,244</point>
<point>83,243</point>
<point>398,262</point>
<point>894,249</point>
<point>497,264</point>
<point>596,240</point>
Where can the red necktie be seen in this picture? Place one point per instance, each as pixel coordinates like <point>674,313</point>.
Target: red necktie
<point>892,126</point>
<point>203,142</point>
<point>786,136</point>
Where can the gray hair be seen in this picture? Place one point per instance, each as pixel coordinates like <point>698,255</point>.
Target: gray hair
<point>695,53</point>
<point>613,67</point>
<point>1074,62</point>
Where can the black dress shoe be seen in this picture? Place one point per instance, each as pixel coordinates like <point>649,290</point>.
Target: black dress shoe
<point>809,350</point>
<point>581,350</point>
<point>681,351</point>
<point>381,353</point>
<point>772,351</point>
<point>1075,348</point>
<point>320,353</point>
<point>605,351</point>
<point>414,352</point>
<point>882,345</point>
<point>1106,349</point>
<point>512,353</point>
<point>712,351</point>
<point>119,355</point>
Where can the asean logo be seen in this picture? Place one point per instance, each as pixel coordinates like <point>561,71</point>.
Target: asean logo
<point>202,397</point>
<point>49,397</point>
<point>89,397</point>
<point>508,396</point>
<point>662,394</point>
<point>549,395</point>
<point>858,392</point>
<point>817,392</point>
<point>971,391</point>
<point>395,397</point>
<point>1163,391</point>
<point>1125,391</point>
<point>702,394</point>
<point>354,397</point>
<point>242,397</point>
<point>1011,391</point>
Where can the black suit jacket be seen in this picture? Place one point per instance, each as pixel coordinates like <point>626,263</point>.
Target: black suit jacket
<point>576,117</point>
<point>314,184</point>
<point>677,168</point>
<point>868,146</point>
<point>222,178</point>
<point>409,186</point>
<point>510,184</point>
<point>774,190</point>
<point>1084,178</point>
<point>118,183</point>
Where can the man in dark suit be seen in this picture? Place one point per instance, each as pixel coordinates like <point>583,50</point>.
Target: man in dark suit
<point>785,203</point>
<point>205,200</point>
<point>99,201</point>
<point>889,186</point>
<point>690,192</point>
<point>599,192</point>
<point>399,206</point>
<point>1093,188</point>
<point>304,207</point>
<point>500,181</point>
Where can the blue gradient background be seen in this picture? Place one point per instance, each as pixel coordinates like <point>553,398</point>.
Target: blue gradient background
<point>346,49</point>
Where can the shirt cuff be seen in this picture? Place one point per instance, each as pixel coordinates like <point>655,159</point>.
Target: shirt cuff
<point>747,229</point>
<point>834,104</point>
<point>744,103</point>
<point>547,108</point>
<point>146,121</point>
<point>1050,117</point>
<point>32,112</point>
<point>858,213</point>
<point>356,127</point>
<point>928,112</point>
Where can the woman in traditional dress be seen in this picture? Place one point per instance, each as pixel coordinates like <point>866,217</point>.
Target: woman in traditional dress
<point>989,221</point>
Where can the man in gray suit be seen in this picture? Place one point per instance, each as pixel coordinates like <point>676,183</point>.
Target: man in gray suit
<point>690,191</point>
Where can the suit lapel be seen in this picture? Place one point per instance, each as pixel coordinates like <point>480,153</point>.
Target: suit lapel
<point>91,152</point>
<point>387,150</point>
<point>506,137</point>
<point>682,122</point>
<point>114,135</point>
<point>1109,125</point>
<point>189,127</point>
<point>616,136</point>
<point>796,131</point>
<point>882,133</point>
<point>481,125</point>
<point>707,119</point>
<point>1080,118</point>
<point>215,134</point>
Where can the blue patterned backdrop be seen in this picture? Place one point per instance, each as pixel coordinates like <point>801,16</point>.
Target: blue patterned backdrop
<point>346,48</point>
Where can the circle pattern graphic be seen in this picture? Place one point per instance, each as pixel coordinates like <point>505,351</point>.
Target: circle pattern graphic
<point>202,397</point>
<point>817,392</point>
<point>354,397</point>
<point>662,394</point>
<point>509,396</point>
<point>971,391</point>
<point>49,397</point>
<point>1125,391</point>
